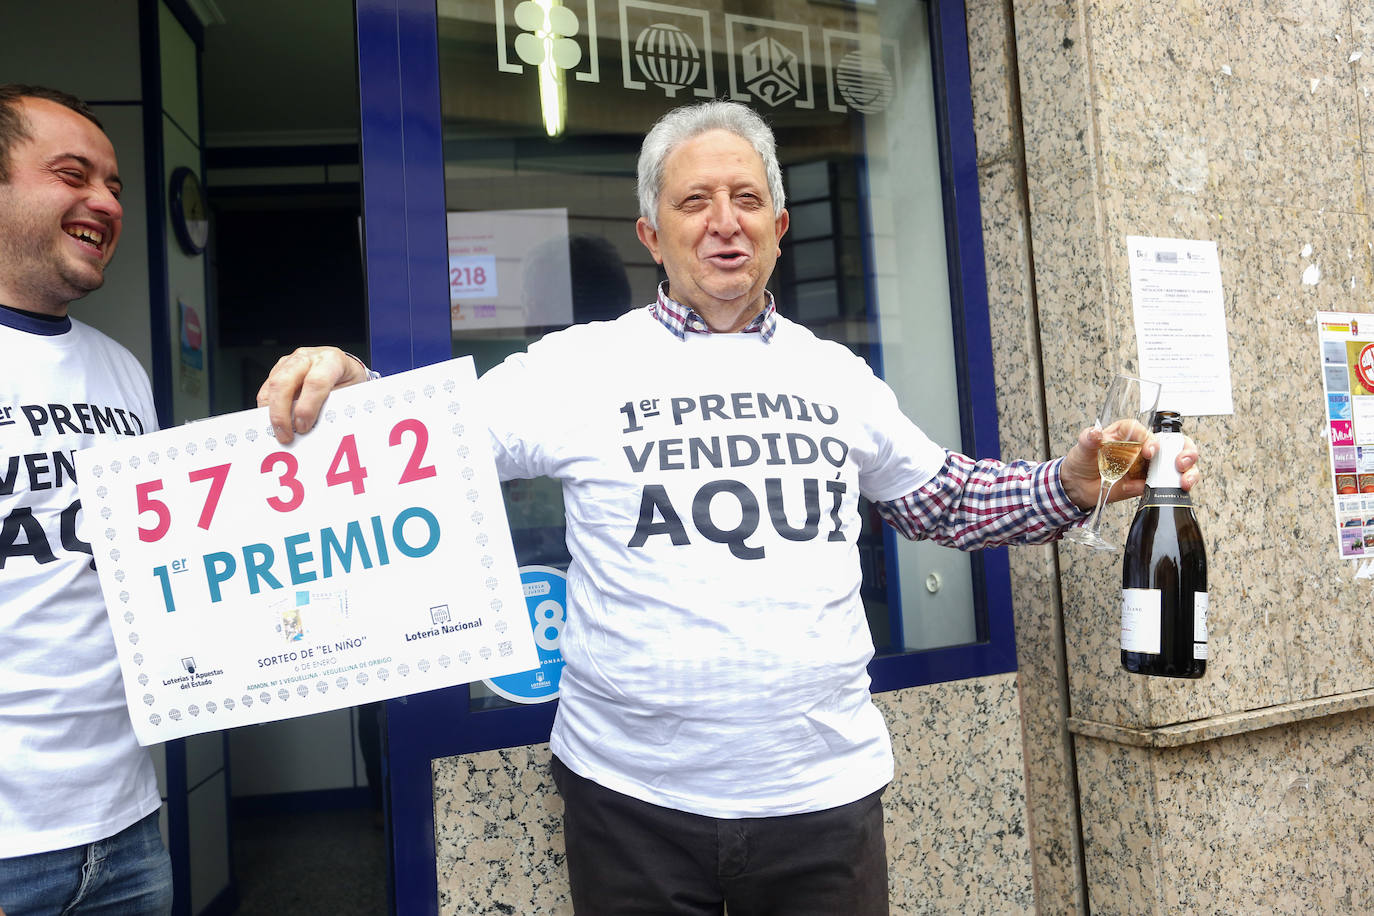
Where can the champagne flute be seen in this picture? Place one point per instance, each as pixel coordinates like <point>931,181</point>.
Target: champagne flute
<point>1125,418</point>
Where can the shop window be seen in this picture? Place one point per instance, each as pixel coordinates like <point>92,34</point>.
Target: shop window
<point>873,126</point>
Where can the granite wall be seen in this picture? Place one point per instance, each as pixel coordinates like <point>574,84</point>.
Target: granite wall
<point>1247,791</point>
<point>1240,122</point>
<point>955,814</point>
<point>957,827</point>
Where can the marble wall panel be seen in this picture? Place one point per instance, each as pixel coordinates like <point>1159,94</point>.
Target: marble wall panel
<point>1340,249</point>
<point>1117,817</point>
<point>1230,506</point>
<point>1277,34</point>
<point>1050,780</point>
<point>996,122</point>
<point>1329,647</point>
<point>1054,79</point>
<point>1066,315</point>
<point>1049,765</point>
<point>498,834</point>
<point>1126,35</point>
<point>1179,122</point>
<point>1360,40</point>
<point>1075,328</point>
<point>1091,586</point>
<point>1283,182</point>
<point>1276,821</point>
<point>1246,123</point>
<point>1020,416</point>
<point>955,814</point>
<point>1152,126</point>
<point>1341,770</point>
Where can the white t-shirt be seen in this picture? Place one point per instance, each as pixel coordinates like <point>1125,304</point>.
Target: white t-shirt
<point>716,645</point>
<point>71,771</point>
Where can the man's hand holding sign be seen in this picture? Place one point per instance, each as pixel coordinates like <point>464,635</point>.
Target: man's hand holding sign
<point>250,580</point>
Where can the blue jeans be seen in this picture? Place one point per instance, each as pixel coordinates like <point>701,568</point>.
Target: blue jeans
<point>128,874</point>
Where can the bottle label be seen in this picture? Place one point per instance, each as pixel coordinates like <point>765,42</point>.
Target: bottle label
<point>1166,496</point>
<point>1200,625</point>
<point>1140,620</point>
<point>1163,473</point>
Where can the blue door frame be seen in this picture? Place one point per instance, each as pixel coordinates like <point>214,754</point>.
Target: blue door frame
<point>407,284</point>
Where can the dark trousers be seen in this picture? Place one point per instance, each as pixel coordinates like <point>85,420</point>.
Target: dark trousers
<point>627,857</point>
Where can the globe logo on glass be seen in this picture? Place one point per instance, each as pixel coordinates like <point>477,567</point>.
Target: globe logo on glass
<point>668,57</point>
<point>546,599</point>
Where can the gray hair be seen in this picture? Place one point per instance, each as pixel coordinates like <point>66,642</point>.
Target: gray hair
<point>682,124</point>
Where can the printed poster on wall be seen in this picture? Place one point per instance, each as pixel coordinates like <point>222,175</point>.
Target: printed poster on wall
<point>1347,348</point>
<point>248,581</point>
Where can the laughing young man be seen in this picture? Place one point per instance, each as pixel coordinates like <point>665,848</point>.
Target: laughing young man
<point>78,798</point>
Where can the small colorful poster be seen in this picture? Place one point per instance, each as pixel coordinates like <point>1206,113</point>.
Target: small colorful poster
<point>249,581</point>
<point>1348,381</point>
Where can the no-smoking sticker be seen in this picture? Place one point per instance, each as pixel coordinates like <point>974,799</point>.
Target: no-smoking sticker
<point>1364,367</point>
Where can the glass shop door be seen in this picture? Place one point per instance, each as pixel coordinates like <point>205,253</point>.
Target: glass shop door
<point>500,140</point>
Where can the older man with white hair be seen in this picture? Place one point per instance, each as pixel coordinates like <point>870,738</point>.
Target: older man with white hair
<point>716,745</point>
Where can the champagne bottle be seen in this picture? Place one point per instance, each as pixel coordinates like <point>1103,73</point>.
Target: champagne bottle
<point>1164,577</point>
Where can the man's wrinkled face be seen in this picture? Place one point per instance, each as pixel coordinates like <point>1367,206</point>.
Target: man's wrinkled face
<point>60,216</point>
<point>717,237</point>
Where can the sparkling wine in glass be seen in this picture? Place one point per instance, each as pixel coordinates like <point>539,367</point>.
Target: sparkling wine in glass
<point>1125,418</point>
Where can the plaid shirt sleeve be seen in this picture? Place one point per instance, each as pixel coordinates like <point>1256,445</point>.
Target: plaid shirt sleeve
<point>972,504</point>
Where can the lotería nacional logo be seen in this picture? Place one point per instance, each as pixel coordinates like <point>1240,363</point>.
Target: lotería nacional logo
<point>668,57</point>
<point>668,46</point>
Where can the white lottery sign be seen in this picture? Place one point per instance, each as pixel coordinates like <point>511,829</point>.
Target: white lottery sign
<point>248,581</point>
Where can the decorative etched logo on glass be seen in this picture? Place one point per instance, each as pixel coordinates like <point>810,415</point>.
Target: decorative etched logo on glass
<point>668,57</point>
<point>553,36</point>
<point>771,71</point>
<point>863,72</point>
<point>547,36</point>
<point>671,48</point>
<point>770,62</point>
<point>863,82</point>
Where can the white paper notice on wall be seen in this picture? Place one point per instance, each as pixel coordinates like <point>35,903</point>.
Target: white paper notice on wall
<point>1180,323</point>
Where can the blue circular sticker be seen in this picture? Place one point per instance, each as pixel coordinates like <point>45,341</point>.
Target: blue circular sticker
<point>546,598</point>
